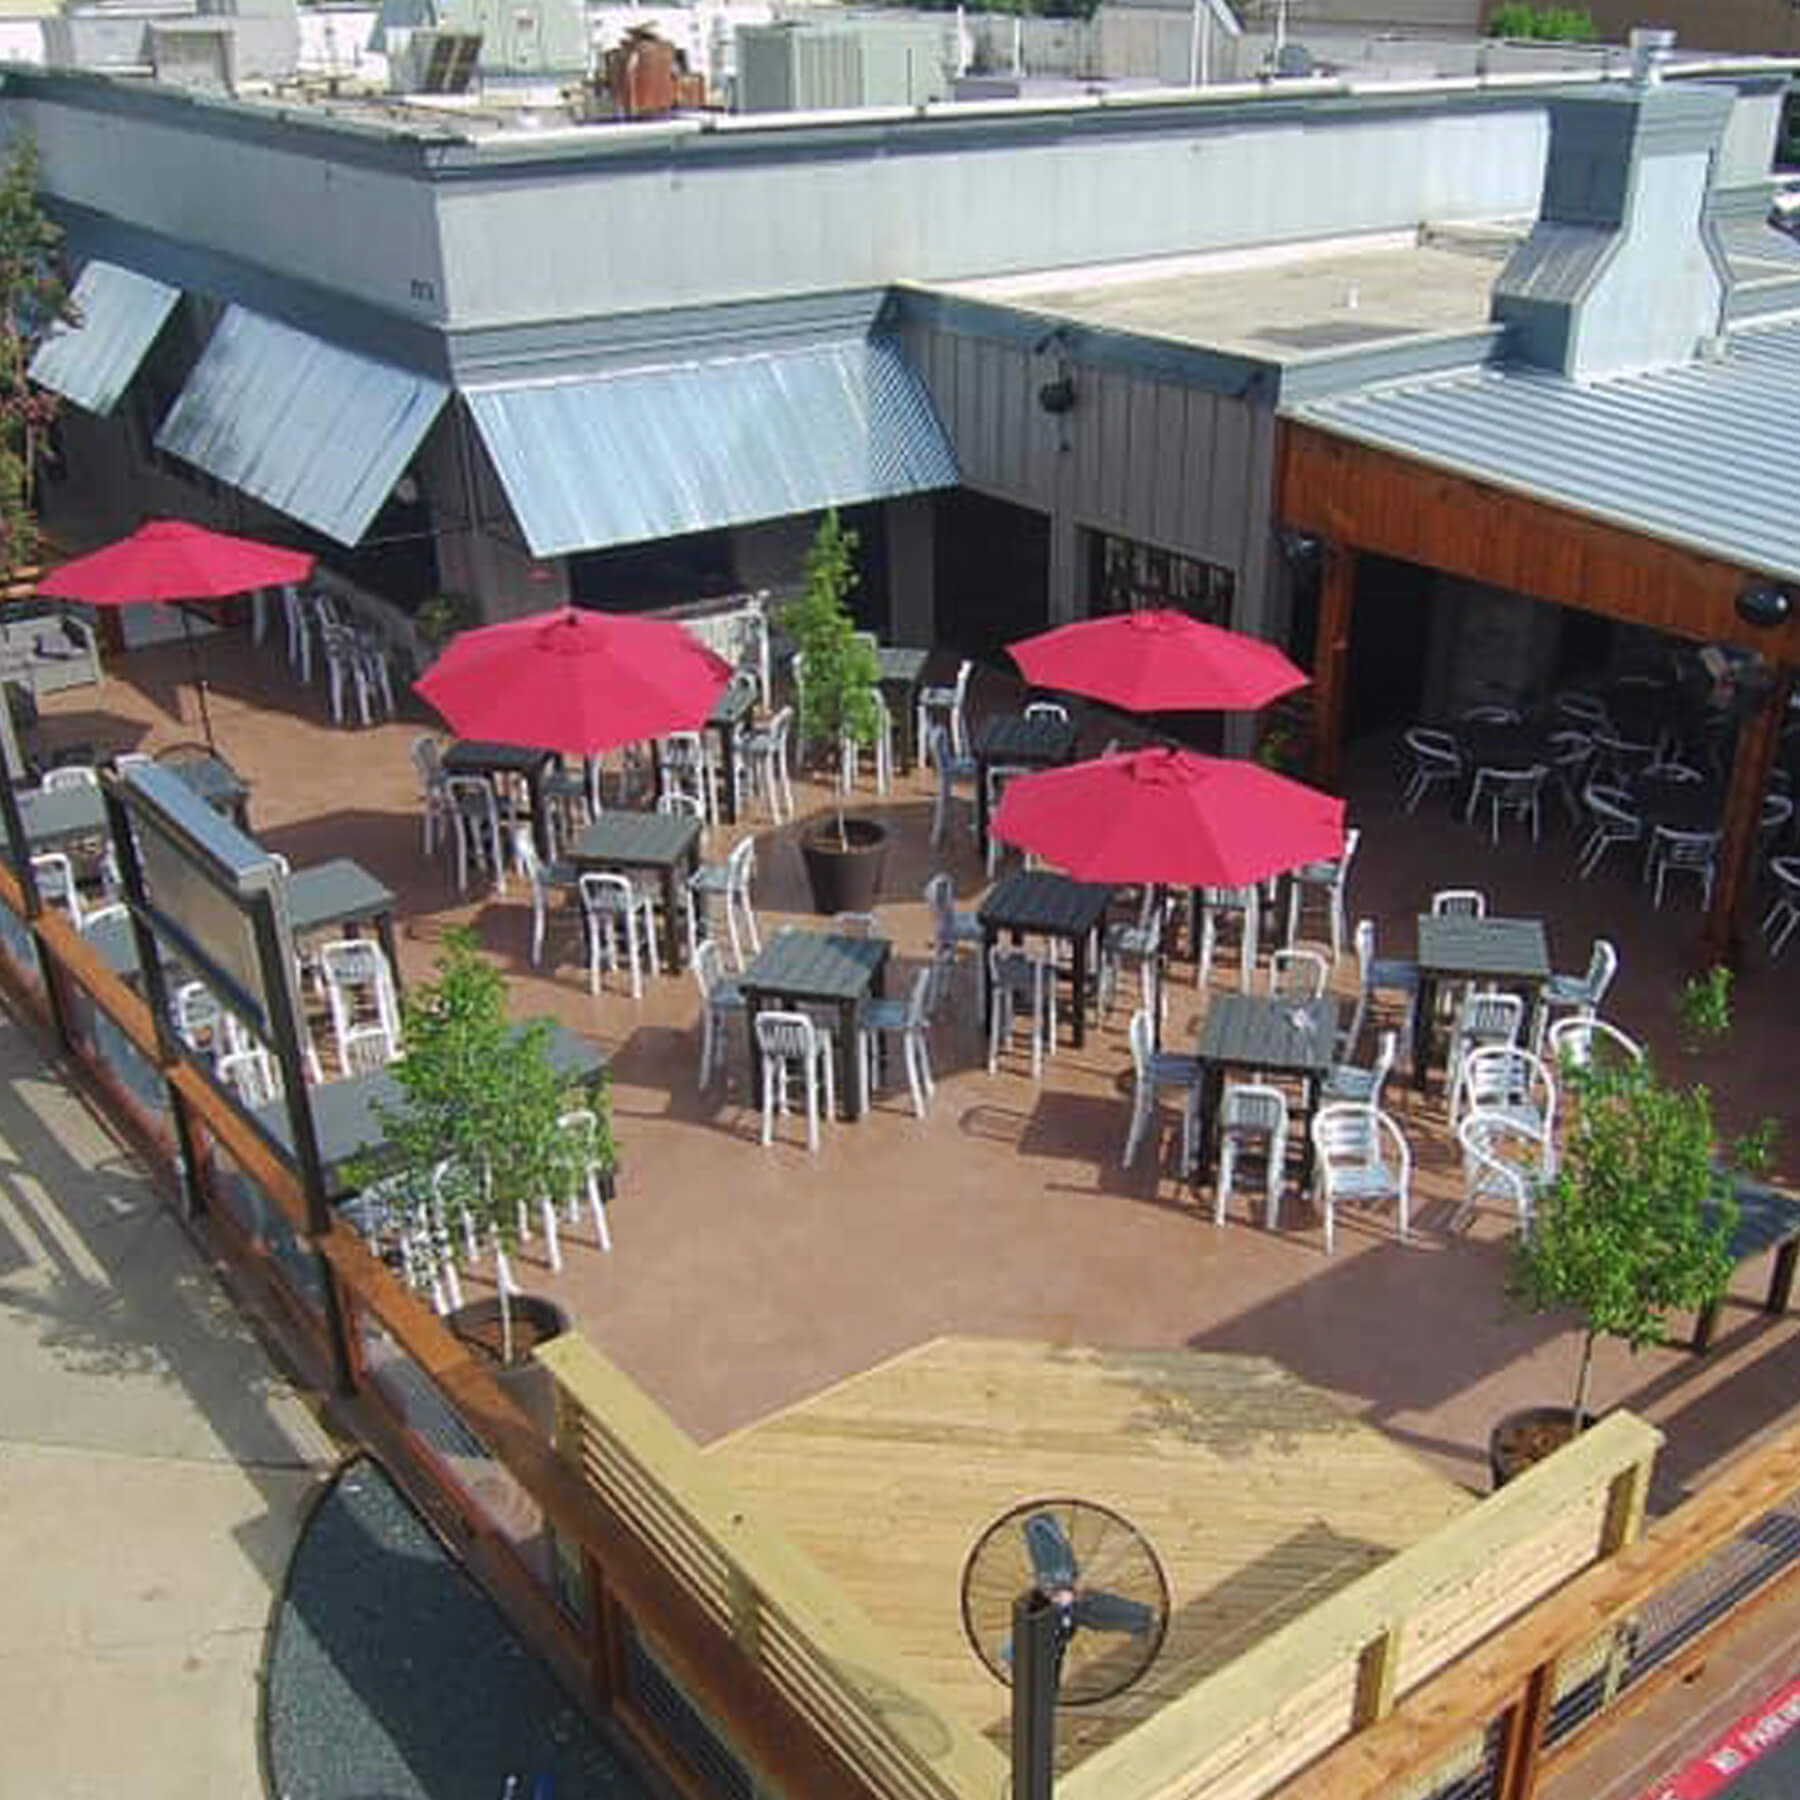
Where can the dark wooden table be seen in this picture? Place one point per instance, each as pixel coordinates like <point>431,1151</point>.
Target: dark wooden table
<point>663,844</point>
<point>1511,748</point>
<point>1256,1034</point>
<point>798,969</point>
<point>474,756</point>
<point>1767,1220</point>
<point>1041,903</point>
<point>1010,740</point>
<point>902,670</point>
<point>1512,953</point>
<point>1678,805</point>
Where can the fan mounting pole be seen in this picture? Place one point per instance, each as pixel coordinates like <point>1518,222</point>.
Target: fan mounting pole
<point>1037,1645</point>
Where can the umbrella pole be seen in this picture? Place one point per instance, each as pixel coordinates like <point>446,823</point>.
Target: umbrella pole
<point>193,644</point>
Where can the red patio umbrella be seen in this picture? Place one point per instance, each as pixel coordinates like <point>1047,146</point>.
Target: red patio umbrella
<point>1158,662</point>
<point>575,682</point>
<point>1173,817</point>
<point>173,560</point>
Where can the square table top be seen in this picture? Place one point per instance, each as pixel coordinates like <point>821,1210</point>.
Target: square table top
<point>475,756</point>
<point>1766,1217</point>
<point>1013,738</point>
<point>332,892</point>
<point>637,840</point>
<point>816,965</point>
<point>1042,900</point>
<point>734,705</point>
<point>63,816</point>
<point>1258,1031</point>
<point>899,663</point>
<point>1509,949</point>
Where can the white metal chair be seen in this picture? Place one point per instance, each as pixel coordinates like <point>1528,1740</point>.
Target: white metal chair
<point>360,993</point>
<point>1485,1019</point>
<point>56,881</point>
<point>1612,819</point>
<point>1217,905</point>
<point>1490,714</point>
<point>1297,975</point>
<point>951,766</point>
<point>1571,753</point>
<point>1693,853</point>
<point>1578,1042</point>
<point>199,1020</point>
<point>1351,1081</point>
<point>1360,1155</point>
<point>475,816</point>
<point>998,775</point>
<point>1328,881</point>
<point>765,750</point>
<point>69,776</point>
<point>1381,980</point>
<point>582,1126</point>
<point>1459,903</point>
<point>251,1074</point>
<point>730,881</point>
<point>434,799</point>
<point>1252,1117</point>
<point>950,930</point>
<point>1137,942</point>
<point>541,878</point>
<point>1154,1070</point>
<point>855,924</point>
<point>364,1048</point>
<point>688,775</point>
<point>1584,711</point>
<point>1580,994</point>
<point>881,749</point>
<point>946,707</point>
<point>1437,761</point>
<point>1511,1083</point>
<point>1516,793</point>
<point>721,1001</point>
<point>791,1046</point>
<point>1783,916</point>
<point>1503,1160</point>
<point>1052,711</point>
<point>1618,760</point>
<point>1021,984</point>
<point>614,909</point>
<point>909,1020</point>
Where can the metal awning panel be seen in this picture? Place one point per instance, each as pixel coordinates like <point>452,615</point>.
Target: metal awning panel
<point>315,431</point>
<point>633,455</point>
<point>92,359</point>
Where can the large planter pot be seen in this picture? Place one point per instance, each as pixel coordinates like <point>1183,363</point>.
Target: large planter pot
<point>1526,1437</point>
<point>844,879</point>
<point>535,1321</point>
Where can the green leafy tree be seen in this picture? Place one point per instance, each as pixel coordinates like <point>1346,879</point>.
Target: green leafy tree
<point>839,668</point>
<point>32,299</point>
<point>482,1095</point>
<point>1638,1222</point>
<point>1519,19</point>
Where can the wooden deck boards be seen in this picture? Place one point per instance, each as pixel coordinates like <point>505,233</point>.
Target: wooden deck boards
<point>1259,1494</point>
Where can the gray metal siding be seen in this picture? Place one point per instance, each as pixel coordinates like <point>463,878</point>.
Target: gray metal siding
<point>1694,455</point>
<point>118,314</point>
<point>650,453</point>
<point>316,432</point>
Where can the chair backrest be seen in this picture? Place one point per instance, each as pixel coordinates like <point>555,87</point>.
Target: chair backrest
<point>606,891</point>
<point>365,1048</point>
<point>1349,1134</point>
<point>197,1015</point>
<point>741,863</point>
<point>1514,787</point>
<point>687,805</point>
<point>964,672</point>
<point>428,759</point>
<point>100,915</point>
<point>1603,965</point>
<point>1297,974</point>
<point>855,924</point>
<point>918,1001</point>
<point>1429,745</point>
<point>1253,1106</point>
<point>1577,1043</point>
<point>940,896</point>
<point>1585,710</point>
<point>1492,1018</point>
<point>70,775</point>
<point>1570,750</point>
<point>1677,773</point>
<point>1611,804</point>
<point>1686,849</point>
<point>474,793</point>
<point>56,879</point>
<point>252,1074</point>
<point>1498,1076</point>
<point>709,966</point>
<point>1053,710</point>
<point>1490,715</point>
<point>1487,1169</point>
<point>1459,903</point>
<point>1143,1040</point>
<point>1363,938</point>
<point>786,1034</point>
<point>353,962</point>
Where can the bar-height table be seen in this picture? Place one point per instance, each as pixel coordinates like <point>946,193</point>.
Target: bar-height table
<point>1259,1034</point>
<point>902,670</point>
<point>1010,740</point>
<point>1507,952</point>
<point>1041,903</point>
<point>799,969</point>
<point>473,756</point>
<point>725,725</point>
<point>666,845</point>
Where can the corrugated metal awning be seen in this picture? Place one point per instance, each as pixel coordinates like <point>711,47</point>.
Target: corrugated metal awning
<point>319,433</point>
<point>1694,455</point>
<point>645,453</point>
<point>118,313</point>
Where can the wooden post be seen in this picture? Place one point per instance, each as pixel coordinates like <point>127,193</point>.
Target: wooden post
<point>1757,739</point>
<point>1522,1736</point>
<point>1331,661</point>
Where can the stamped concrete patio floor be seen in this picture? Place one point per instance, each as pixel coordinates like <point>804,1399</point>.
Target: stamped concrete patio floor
<point>744,1279</point>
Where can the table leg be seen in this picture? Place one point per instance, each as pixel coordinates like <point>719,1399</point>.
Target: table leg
<point>1781,1281</point>
<point>673,882</point>
<point>752,1006</point>
<point>725,736</point>
<point>1078,968</point>
<point>981,807</point>
<point>1309,1100</point>
<point>1424,1024</point>
<point>1212,1083</point>
<point>989,937</point>
<point>540,813</point>
<point>1704,1327</point>
<point>849,1059</point>
<point>384,933</point>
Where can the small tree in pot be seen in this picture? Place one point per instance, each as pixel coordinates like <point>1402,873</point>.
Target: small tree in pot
<point>836,705</point>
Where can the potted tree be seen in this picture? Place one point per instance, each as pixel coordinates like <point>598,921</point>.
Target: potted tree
<point>836,704</point>
<point>479,1131</point>
<point>1636,1225</point>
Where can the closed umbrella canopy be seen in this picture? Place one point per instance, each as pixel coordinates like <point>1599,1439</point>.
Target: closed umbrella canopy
<point>1158,662</point>
<point>170,559</point>
<point>1171,817</point>
<point>575,682</point>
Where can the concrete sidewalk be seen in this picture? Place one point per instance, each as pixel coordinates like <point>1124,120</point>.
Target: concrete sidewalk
<point>154,1469</point>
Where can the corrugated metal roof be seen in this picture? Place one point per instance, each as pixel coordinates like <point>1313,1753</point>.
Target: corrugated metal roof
<point>1699,455</point>
<point>626,457</point>
<point>118,313</point>
<point>1556,262</point>
<point>319,433</point>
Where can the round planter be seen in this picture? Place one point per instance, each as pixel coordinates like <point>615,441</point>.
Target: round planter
<point>1526,1437</point>
<point>535,1321</point>
<point>844,880</point>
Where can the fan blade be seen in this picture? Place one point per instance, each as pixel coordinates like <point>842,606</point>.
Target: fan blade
<point>1052,1555</point>
<point>1113,1612</point>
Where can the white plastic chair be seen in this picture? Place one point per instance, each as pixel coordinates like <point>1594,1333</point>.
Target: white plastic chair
<point>1297,975</point>
<point>475,815</point>
<point>1459,903</point>
<point>951,767</point>
<point>199,1020</point>
<point>1576,1043</point>
<point>791,1045</point>
<point>583,1126</point>
<point>729,880</point>
<point>1485,1020</point>
<point>765,750</point>
<point>1133,941</point>
<point>1436,761</point>
<point>541,878</point>
<point>688,774</point>
<point>1510,1083</point>
<point>1693,853</point>
<point>1360,1154</point>
<point>1251,1116</point>
<point>1351,1081</point>
<point>1783,916</point>
<point>1154,1070</point>
<point>946,707</point>
<point>721,1001</point>
<point>998,775</point>
<point>1504,1160</point>
<point>251,1073</point>
<point>1580,994</point>
<point>1328,881</point>
<point>1516,793</point>
<point>1612,819</point>
<point>1052,711</point>
<point>909,1020</point>
<point>612,908</point>
<point>1021,984</point>
<point>359,990</point>
<point>1244,904</point>
<point>950,930</point>
<point>55,874</point>
<point>1380,977</point>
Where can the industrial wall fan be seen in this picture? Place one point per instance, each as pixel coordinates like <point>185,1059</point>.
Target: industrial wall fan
<point>1064,1601</point>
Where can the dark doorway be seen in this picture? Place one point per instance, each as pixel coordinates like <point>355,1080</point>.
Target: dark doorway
<point>1390,635</point>
<point>992,567</point>
<point>1584,647</point>
<point>869,598</point>
<point>635,577</point>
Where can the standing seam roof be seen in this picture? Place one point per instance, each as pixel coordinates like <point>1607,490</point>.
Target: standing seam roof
<point>118,313</point>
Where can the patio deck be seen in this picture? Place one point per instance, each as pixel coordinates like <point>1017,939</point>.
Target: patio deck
<point>745,1280</point>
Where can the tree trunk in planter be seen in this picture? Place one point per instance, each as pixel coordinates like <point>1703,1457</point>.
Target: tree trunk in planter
<point>1524,1438</point>
<point>844,880</point>
<point>481,1325</point>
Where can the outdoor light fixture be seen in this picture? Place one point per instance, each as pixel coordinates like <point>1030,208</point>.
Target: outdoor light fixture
<point>1765,604</point>
<point>1058,396</point>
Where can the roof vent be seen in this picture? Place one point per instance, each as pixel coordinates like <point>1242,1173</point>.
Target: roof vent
<point>1650,47</point>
